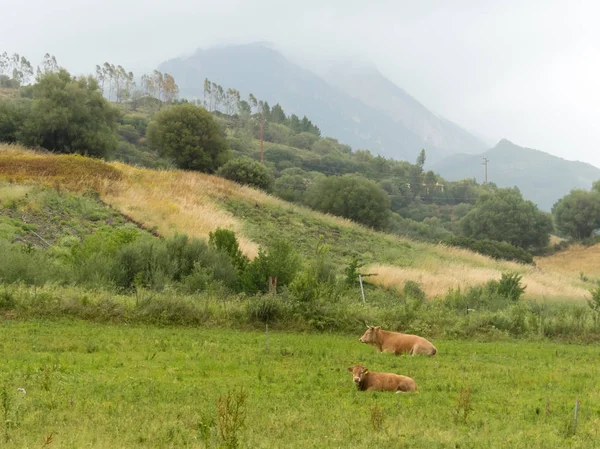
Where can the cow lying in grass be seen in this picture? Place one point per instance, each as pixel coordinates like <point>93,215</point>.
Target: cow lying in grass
<point>366,380</point>
<point>396,342</point>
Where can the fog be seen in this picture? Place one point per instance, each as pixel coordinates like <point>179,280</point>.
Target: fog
<point>526,71</point>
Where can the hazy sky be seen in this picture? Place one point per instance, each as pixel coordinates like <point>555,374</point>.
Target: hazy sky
<point>526,70</point>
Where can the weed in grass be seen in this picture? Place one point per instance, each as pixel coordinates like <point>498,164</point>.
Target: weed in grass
<point>463,406</point>
<point>231,412</point>
<point>47,442</point>
<point>377,417</point>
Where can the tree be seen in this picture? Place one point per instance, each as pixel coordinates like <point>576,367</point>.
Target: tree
<point>170,89</point>
<point>69,115</point>
<point>190,136</point>
<point>22,70</point>
<point>13,114</point>
<point>350,196</point>
<point>252,102</point>
<point>158,84</point>
<point>50,64</point>
<point>4,63</point>
<point>290,187</point>
<point>247,171</point>
<point>577,214</point>
<point>504,215</point>
<point>277,114</point>
<point>421,160</point>
<point>100,77</point>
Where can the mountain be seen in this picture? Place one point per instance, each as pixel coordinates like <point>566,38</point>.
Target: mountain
<point>258,69</point>
<point>367,84</point>
<point>541,177</point>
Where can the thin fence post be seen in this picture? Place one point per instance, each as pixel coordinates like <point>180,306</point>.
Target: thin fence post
<point>267,337</point>
<point>362,290</point>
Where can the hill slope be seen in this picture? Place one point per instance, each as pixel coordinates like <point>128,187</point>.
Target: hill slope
<point>173,201</point>
<point>541,177</point>
<point>367,84</point>
<point>270,76</point>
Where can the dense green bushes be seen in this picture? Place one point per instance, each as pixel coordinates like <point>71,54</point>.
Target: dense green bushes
<point>248,172</point>
<point>497,250</point>
<point>453,316</point>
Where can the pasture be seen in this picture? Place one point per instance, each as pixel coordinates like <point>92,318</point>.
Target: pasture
<point>99,385</point>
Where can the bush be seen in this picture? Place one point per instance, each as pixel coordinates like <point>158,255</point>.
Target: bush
<point>225,241</point>
<point>494,249</point>
<point>350,196</point>
<point>503,215</point>
<point>290,188</point>
<point>13,114</point>
<point>510,286</point>
<point>278,260</point>
<point>190,136</point>
<point>413,290</point>
<point>69,115</point>
<point>267,309</point>
<point>247,171</point>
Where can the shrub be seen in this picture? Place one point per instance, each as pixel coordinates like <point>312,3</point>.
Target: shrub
<point>350,196</point>
<point>190,136</point>
<point>267,309</point>
<point>290,188</point>
<point>225,240</point>
<point>247,171</point>
<point>279,260</point>
<point>492,248</point>
<point>413,290</point>
<point>69,115</point>
<point>510,286</point>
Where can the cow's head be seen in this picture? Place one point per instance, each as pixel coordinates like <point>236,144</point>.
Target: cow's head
<point>370,336</point>
<point>358,373</point>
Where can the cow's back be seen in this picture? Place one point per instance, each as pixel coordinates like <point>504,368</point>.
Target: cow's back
<point>400,343</point>
<point>390,382</point>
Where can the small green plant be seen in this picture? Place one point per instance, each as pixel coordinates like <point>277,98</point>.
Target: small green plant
<point>352,271</point>
<point>226,241</point>
<point>463,406</point>
<point>413,290</point>
<point>377,417</point>
<point>594,304</point>
<point>231,412</point>
<point>266,309</point>
<point>510,286</point>
<point>5,401</point>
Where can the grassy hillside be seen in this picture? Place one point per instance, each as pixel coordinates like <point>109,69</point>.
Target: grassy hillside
<point>577,260</point>
<point>76,384</point>
<point>171,202</point>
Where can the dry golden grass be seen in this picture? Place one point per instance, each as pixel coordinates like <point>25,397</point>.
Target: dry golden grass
<point>574,260</point>
<point>174,202</point>
<point>436,279</point>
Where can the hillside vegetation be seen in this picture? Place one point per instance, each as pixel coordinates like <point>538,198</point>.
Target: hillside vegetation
<point>173,201</point>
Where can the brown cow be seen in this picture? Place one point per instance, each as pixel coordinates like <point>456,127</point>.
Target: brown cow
<point>366,380</point>
<point>396,342</point>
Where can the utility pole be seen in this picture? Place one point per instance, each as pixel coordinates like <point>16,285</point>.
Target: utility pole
<point>485,162</point>
<point>262,155</point>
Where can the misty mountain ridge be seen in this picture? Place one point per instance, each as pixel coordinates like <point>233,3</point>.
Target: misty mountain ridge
<point>368,84</point>
<point>398,128</point>
<point>541,177</point>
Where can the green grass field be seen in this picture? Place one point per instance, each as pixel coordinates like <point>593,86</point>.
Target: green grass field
<point>101,386</point>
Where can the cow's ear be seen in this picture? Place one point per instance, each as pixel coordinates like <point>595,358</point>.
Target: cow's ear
<point>350,369</point>
<point>377,328</point>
